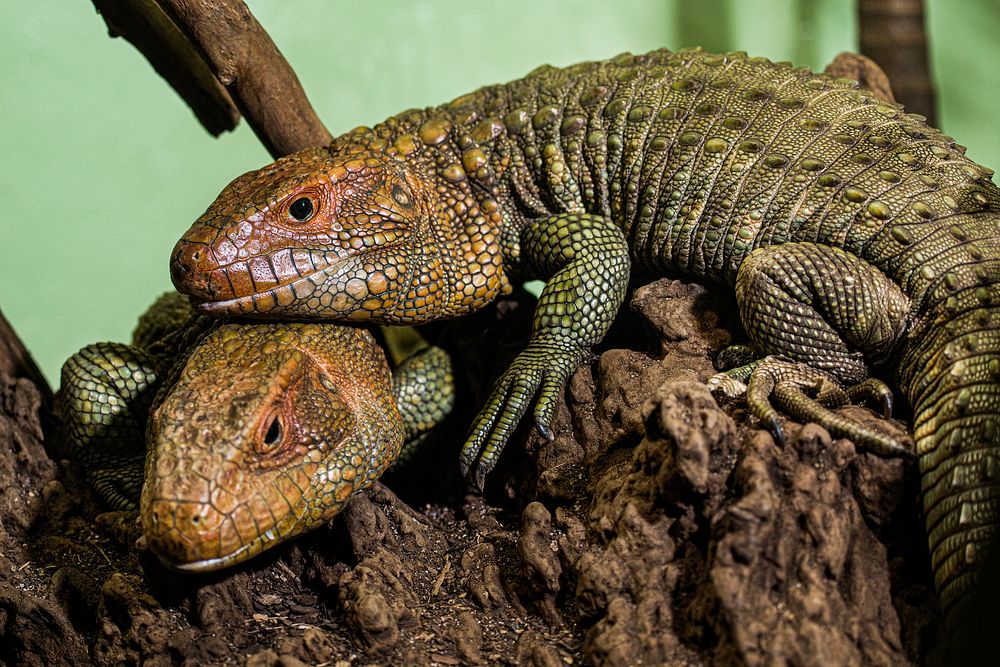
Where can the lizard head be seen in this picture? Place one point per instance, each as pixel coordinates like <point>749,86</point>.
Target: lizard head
<point>341,233</point>
<point>265,434</point>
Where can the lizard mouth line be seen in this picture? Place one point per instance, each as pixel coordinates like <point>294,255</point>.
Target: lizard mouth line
<point>252,548</point>
<point>208,564</point>
<point>248,304</point>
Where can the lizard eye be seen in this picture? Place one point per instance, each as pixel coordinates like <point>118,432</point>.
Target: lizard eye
<point>302,209</point>
<point>274,434</point>
<point>401,196</point>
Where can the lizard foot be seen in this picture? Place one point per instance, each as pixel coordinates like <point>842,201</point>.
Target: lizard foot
<point>541,369</point>
<point>807,395</point>
<point>105,395</point>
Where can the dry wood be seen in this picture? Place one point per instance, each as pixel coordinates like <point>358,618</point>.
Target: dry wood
<point>893,35</point>
<point>154,34</point>
<point>222,63</point>
<point>247,62</point>
<point>16,361</point>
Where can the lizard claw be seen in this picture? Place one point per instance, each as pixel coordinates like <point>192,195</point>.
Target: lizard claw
<point>873,390</point>
<point>480,478</point>
<point>777,431</point>
<point>541,369</point>
<point>887,406</point>
<point>807,395</point>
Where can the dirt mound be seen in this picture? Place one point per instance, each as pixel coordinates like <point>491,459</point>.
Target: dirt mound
<point>656,528</point>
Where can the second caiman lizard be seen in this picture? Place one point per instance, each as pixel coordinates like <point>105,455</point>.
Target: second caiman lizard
<point>254,433</point>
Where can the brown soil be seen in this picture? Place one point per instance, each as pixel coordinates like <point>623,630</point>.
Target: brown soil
<point>656,528</point>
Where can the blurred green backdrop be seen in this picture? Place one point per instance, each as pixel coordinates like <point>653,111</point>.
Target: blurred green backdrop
<point>102,166</point>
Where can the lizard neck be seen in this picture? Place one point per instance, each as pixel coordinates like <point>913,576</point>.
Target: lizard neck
<point>460,238</point>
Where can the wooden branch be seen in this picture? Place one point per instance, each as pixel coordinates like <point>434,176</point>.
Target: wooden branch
<point>222,63</point>
<point>893,35</point>
<point>16,361</point>
<point>154,34</point>
<point>865,71</point>
<point>249,65</point>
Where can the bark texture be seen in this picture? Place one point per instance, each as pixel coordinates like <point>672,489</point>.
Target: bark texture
<point>220,60</point>
<point>892,33</point>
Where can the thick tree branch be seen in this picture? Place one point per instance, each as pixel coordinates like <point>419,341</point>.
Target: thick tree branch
<point>16,361</point>
<point>893,35</point>
<point>154,34</point>
<point>219,59</point>
<point>247,62</point>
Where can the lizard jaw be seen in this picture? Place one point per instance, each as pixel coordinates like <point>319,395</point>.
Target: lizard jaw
<point>275,299</point>
<point>213,564</point>
<point>250,305</point>
<point>361,287</point>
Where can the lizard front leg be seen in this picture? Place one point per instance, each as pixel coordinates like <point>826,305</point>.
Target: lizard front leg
<point>106,393</point>
<point>586,263</point>
<point>104,399</point>
<point>422,384</point>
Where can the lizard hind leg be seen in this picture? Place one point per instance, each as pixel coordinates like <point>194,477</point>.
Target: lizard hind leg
<point>825,316</point>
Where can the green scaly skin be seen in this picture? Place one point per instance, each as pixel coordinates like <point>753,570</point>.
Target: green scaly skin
<point>855,235</point>
<point>256,432</point>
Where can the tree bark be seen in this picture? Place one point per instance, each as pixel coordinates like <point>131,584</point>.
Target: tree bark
<point>219,59</point>
<point>16,362</point>
<point>157,37</point>
<point>892,34</point>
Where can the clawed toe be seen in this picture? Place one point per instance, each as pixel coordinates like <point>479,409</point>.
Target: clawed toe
<point>875,391</point>
<point>807,395</point>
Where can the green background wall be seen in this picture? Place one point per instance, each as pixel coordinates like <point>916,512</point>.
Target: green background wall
<point>102,167</point>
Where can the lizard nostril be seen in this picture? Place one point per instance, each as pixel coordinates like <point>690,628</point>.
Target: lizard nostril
<point>189,269</point>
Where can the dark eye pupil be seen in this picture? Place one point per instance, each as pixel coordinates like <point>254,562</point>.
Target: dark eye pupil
<point>273,435</point>
<point>301,209</point>
<point>401,196</point>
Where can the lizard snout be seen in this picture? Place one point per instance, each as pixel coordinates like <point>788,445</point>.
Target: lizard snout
<point>194,272</point>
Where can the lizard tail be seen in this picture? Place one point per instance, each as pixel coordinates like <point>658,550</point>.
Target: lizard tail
<point>951,371</point>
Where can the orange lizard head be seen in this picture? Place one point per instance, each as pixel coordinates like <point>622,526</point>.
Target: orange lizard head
<point>266,432</point>
<point>340,233</point>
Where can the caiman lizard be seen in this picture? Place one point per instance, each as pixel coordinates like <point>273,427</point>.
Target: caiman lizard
<point>857,238</point>
<point>256,432</point>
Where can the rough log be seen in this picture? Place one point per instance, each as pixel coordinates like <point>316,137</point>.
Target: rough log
<point>219,59</point>
<point>145,25</point>
<point>16,362</point>
<point>892,34</point>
